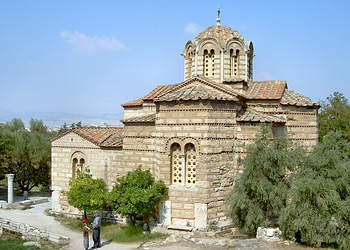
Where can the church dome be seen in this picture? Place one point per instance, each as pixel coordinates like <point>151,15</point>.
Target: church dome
<point>220,33</point>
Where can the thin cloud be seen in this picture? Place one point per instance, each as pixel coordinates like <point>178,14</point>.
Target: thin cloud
<point>192,28</point>
<point>86,44</point>
<point>263,76</point>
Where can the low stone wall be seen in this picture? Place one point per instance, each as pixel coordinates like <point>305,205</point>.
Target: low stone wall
<point>30,232</point>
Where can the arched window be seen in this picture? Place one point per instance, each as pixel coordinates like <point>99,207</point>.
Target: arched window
<point>81,165</point>
<point>191,164</point>
<point>208,62</point>
<point>78,163</point>
<point>183,167</point>
<point>234,62</point>
<point>177,163</point>
<point>74,167</point>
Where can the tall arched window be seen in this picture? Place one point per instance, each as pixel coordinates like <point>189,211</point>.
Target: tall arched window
<point>183,167</point>
<point>191,164</point>
<point>176,165</point>
<point>208,62</point>
<point>74,167</point>
<point>234,62</point>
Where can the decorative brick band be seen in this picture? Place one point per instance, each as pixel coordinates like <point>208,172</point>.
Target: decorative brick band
<point>198,110</point>
<point>197,124</point>
<point>76,147</point>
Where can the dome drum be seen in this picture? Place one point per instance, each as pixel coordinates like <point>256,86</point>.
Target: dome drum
<point>219,53</point>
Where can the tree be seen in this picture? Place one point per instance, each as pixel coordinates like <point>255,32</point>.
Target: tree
<point>261,190</point>
<point>86,193</point>
<point>318,207</point>
<point>137,194</point>
<point>335,116</point>
<point>25,153</point>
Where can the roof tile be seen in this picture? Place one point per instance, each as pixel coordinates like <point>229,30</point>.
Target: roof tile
<point>100,136</point>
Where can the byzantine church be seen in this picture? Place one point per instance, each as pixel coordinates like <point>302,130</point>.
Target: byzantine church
<point>191,135</point>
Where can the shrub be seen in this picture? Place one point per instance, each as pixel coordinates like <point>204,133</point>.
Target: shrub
<point>261,190</point>
<point>318,207</point>
<point>86,193</point>
<point>137,194</point>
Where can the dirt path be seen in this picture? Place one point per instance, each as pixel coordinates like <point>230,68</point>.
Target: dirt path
<point>36,217</point>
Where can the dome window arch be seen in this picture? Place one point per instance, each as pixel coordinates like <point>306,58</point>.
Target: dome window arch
<point>234,62</point>
<point>208,62</point>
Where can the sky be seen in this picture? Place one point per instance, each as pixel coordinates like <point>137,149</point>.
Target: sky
<point>88,57</point>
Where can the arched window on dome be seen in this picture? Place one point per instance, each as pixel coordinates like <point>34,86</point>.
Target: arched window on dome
<point>208,62</point>
<point>189,64</point>
<point>234,63</point>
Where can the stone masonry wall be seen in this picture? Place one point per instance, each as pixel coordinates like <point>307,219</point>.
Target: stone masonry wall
<point>210,127</point>
<point>98,160</point>
<point>30,232</point>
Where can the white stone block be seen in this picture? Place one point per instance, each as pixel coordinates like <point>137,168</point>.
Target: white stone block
<point>200,215</point>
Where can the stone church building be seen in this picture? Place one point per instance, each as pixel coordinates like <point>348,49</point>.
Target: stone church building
<point>191,135</point>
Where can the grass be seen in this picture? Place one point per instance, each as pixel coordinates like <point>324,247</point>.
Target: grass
<point>111,231</point>
<point>129,233</point>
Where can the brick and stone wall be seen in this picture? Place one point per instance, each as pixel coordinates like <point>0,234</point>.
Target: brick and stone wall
<point>101,162</point>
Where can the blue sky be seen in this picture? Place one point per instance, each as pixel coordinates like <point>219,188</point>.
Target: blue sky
<point>88,57</point>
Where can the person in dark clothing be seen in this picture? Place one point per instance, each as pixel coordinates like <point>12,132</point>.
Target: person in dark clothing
<point>96,226</point>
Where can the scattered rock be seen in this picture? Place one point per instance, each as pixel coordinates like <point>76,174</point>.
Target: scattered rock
<point>32,243</point>
<point>269,234</point>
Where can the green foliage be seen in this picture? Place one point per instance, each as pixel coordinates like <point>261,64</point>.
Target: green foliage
<point>25,153</point>
<point>261,191</point>
<point>137,193</point>
<point>334,116</point>
<point>318,207</point>
<point>86,193</point>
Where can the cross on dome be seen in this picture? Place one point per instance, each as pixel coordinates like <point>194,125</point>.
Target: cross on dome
<point>218,18</point>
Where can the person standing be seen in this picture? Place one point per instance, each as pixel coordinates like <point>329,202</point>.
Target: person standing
<point>96,226</point>
<point>86,234</point>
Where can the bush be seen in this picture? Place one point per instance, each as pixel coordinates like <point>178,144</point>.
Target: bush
<point>86,193</point>
<point>318,208</point>
<point>137,194</point>
<point>261,190</point>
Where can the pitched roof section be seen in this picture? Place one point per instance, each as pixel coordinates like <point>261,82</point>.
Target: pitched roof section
<point>198,88</point>
<point>266,90</point>
<point>252,115</point>
<point>150,96</point>
<point>257,90</point>
<point>110,137</point>
<point>140,119</point>
<point>291,97</point>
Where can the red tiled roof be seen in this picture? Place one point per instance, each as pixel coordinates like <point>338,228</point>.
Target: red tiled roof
<point>293,98</point>
<point>140,119</point>
<point>252,115</point>
<point>209,90</point>
<point>257,90</point>
<point>100,136</point>
<point>151,95</point>
<point>266,90</point>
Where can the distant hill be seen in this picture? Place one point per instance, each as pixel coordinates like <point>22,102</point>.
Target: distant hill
<point>55,120</point>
